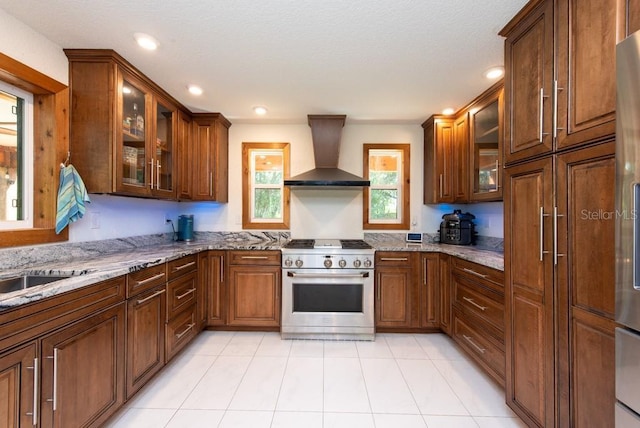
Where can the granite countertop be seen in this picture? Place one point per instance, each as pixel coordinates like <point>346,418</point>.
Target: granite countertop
<point>99,262</point>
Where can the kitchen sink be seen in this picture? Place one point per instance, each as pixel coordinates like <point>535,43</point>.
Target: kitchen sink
<point>27,281</point>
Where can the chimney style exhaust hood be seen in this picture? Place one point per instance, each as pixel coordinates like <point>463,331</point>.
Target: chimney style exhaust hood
<point>326,132</point>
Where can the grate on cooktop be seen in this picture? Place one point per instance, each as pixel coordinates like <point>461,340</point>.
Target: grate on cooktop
<point>354,244</point>
<point>300,243</point>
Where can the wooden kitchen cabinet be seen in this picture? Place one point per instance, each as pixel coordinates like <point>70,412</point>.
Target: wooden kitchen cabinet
<point>485,154</point>
<point>585,278</point>
<point>86,326</point>
<point>19,398</point>
<point>529,311</point>
<point>477,297</point>
<point>210,166</point>
<point>213,275</point>
<point>577,106</point>
<point>558,243</point>
<point>123,127</point>
<point>83,371</point>
<point>463,152</point>
<point>444,280</point>
<point>185,154</point>
<point>560,288</point>
<point>182,294</point>
<point>439,148</point>
<point>396,288</point>
<point>429,302</point>
<point>254,288</point>
<point>146,318</point>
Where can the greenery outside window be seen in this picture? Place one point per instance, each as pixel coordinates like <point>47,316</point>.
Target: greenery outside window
<point>265,200</point>
<point>386,201</point>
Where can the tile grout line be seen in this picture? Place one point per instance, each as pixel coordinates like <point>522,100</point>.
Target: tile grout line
<point>275,407</point>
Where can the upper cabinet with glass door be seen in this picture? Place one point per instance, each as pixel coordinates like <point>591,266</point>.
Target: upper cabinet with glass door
<point>129,149</point>
<point>485,146</point>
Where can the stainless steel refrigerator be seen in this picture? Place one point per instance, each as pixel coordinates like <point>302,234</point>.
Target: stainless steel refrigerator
<point>628,233</point>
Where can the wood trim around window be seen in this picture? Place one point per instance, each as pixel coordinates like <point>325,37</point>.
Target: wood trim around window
<point>246,191</point>
<point>406,188</point>
<point>51,143</point>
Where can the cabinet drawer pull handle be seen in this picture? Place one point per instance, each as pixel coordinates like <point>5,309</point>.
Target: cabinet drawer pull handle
<point>146,299</point>
<point>182,296</point>
<point>221,269</point>
<point>36,392</point>
<point>55,378</point>
<point>255,257</point>
<point>184,266</point>
<point>542,250</point>
<point>186,330</point>
<point>468,339</point>
<point>393,259</point>
<point>440,181</point>
<point>471,271</point>
<point>482,308</point>
<point>144,281</point>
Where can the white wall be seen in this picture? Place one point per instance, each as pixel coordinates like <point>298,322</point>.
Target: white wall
<point>24,44</point>
<point>314,213</point>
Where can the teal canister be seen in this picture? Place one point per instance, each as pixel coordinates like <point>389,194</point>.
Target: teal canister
<point>185,227</point>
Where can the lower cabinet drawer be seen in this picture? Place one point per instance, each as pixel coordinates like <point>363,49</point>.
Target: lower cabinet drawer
<point>181,293</point>
<point>180,330</point>
<point>481,347</point>
<point>476,302</point>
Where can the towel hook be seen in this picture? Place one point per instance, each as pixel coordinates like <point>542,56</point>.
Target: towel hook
<point>66,162</point>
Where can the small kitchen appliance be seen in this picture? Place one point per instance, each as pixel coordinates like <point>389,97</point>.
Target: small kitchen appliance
<point>185,227</point>
<point>458,228</point>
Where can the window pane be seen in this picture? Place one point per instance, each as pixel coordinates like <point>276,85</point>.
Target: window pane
<point>382,178</point>
<point>11,157</point>
<point>268,177</point>
<point>267,204</point>
<point>384,204</point>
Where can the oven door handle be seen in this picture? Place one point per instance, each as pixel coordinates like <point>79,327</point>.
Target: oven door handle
<point>328,276</point>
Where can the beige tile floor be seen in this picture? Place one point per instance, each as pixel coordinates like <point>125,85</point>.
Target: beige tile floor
<point>249,379</point>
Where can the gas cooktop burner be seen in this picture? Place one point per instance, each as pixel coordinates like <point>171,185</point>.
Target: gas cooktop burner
<point>350,244</point>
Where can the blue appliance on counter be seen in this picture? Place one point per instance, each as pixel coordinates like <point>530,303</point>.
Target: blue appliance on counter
<point>185,227</point>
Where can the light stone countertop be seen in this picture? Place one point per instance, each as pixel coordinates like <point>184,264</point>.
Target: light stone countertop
<point>116,258</point>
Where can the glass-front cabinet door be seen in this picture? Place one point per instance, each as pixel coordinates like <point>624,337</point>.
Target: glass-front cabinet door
<point>163,153</point>
<point>146,147</point>
<point>132,171</point>
<point>486,153</point>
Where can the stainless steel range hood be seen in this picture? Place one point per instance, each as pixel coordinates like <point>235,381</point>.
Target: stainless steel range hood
<point>326,132</point>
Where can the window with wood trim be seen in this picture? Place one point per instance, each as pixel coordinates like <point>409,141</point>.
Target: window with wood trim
<point>50,146</point>
<point>265,199</point>
<point>386,201</point>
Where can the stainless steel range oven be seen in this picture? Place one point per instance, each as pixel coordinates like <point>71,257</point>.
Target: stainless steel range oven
<point>327,290</point>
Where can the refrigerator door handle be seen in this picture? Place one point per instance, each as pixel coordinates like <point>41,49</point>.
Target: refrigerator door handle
<point>636,235</point>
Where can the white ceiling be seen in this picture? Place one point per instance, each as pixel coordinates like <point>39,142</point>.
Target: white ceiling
<point>373,60</point>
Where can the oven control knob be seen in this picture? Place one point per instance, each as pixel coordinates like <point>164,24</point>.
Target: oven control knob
<point>299,263</point>
<point>342,263</point>
<point>327,263</point>
<point>288,262</point>
<point>357,263</point>
<point>367,263</point>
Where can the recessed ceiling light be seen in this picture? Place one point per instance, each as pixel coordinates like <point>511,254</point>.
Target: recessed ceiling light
<point>260,110</point>
<point>194,90</point>
<point>126,90</point>
<point>494,72</point>
<point>448,111</point>
<point>146,41</point>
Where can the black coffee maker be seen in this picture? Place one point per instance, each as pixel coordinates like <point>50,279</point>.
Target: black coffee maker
<point>458,228</point>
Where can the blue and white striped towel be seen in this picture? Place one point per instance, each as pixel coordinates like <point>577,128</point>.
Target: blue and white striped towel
<point>72,196</point>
